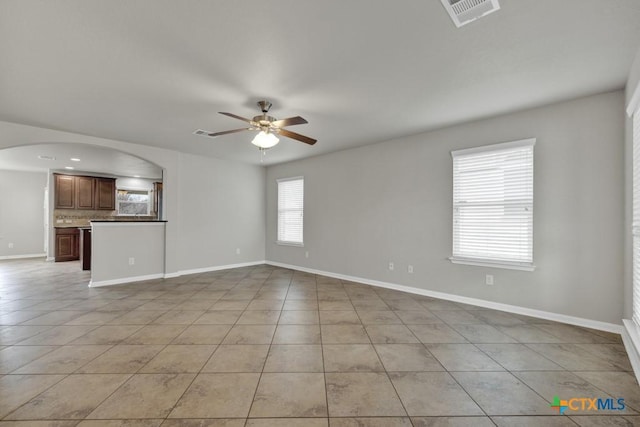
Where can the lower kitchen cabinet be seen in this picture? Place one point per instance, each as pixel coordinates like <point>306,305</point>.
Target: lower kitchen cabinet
<point>67,244</point>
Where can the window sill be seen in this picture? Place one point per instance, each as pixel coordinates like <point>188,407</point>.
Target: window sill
<point>492,264</point>
<point>300,245</point>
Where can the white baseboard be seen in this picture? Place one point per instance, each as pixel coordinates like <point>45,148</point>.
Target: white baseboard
<point>556,317</point>
<point>50,259</point>
<point>23,256</point>
<point>215,268</point>
<point>631,340</point>
<point>94,284</point>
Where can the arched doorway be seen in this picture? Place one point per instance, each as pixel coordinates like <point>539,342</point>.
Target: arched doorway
<point>27,173</point>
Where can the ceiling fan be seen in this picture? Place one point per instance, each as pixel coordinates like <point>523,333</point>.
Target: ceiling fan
<point>268,126</point>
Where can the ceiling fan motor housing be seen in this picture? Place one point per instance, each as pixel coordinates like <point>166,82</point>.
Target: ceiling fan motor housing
<point>265,106</point>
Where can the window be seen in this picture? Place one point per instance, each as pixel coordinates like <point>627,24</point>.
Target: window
<point>636,217</point>
<point>493,205</point>
<point>290,210</point>
<point>133,202</point>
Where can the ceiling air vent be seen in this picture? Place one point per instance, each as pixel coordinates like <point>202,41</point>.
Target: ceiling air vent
<point>464,11</point>
<point>201,132</point>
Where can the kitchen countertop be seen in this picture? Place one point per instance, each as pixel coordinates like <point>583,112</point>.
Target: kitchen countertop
<point>128,220</point>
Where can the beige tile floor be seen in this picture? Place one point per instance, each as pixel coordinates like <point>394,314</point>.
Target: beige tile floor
<point>265,346</point>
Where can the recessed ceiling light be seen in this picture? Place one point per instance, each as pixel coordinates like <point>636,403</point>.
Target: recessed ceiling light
<point>136,176</point>
<point>68,167</point>
<point>74,159</point>
<point>42,157</point>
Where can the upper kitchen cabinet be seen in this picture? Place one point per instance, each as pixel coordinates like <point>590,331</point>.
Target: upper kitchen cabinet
<point>105,194</point>
<point>65,189</point>
<point>84,192</point>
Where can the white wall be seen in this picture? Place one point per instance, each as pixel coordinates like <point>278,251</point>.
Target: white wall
<point>135,183</point>
<point>186,227</point>
<point>22,212</point>
<point>221,206</point>
<point>392,201</point>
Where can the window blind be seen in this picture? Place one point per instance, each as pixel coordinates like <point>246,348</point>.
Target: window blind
<point>493,205</point>
<point>636,217</point>
<point>290,210</point>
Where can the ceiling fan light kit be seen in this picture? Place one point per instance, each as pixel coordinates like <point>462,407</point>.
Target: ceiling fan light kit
<point>265,140</point>
<point>268,126</point>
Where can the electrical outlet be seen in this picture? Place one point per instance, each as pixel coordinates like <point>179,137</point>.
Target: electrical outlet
<point>237,251</point>
<point>132,261</point>
<point>410,269</point>
<point>391,266</point>
<point>11,245</point>
<point>488,280</point>
<point>306,254</point>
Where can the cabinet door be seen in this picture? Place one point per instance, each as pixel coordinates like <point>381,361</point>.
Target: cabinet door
<point>85,186</point>
<point>65,192</point>
<point>67,247</point>
<point>105,194</point>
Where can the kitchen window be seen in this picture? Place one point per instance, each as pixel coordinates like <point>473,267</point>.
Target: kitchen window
<point>133,202</point>
<point>493,205</point>
<point>290,211</point>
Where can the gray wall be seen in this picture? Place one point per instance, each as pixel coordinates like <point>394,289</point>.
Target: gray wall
<point>22,212</point>
<point>392,201</point>
<point>113,244</point>
<point>633,83</point>
<point>220,208</point>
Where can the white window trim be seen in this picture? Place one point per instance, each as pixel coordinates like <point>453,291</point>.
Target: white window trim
<point>635,215</point>
<point>486,262</point>
<point>285,242</point>
<point>498,264</point>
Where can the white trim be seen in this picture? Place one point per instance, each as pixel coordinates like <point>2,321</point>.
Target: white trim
<point>556,317</point>
<point>23,256</point>
<point>634,102</point>
<point>293,178</point>
<point>50,259</point>
<point>496,264</point>
<point>93,284</point>
<point>631,340</point>
<point>284,243</point>
<point>529,142</point>
<point>217,267</point>
<point>126,223</point>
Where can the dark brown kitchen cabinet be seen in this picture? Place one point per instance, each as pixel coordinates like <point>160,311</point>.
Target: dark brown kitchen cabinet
<point>65,188</point>
<point>84,192</point>
<point>105,197</point>
<point>67,244</point>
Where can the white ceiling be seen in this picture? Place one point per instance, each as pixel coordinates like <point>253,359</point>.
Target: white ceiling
<point>360,71</point>
<point>94,159</point>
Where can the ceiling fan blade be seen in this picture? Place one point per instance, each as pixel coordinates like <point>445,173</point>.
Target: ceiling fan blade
<point>296,136</point>
<point>297,120</point>
<point>215,134</point>
<point>235,116</point>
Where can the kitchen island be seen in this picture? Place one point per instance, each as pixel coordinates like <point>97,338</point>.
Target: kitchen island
<point>126,251</point>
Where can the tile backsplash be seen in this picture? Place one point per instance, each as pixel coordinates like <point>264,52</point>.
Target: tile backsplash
<point>81,218</point>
